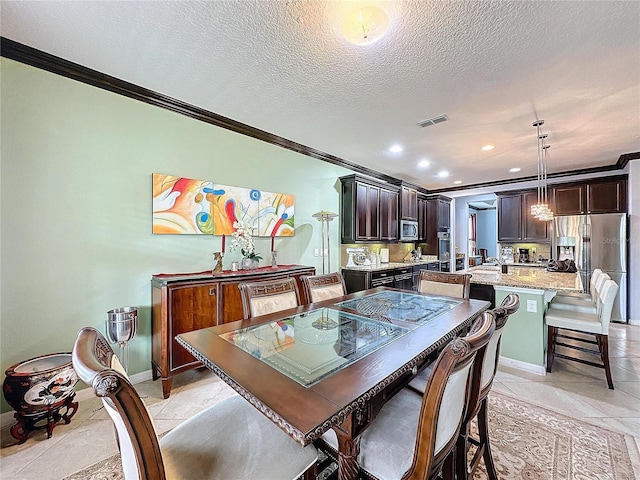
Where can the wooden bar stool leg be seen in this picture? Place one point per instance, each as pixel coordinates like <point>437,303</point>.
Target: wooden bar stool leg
<point>551,345</point>
<point>603,340</point>
<point>462,447</point>
<point>483,432</point>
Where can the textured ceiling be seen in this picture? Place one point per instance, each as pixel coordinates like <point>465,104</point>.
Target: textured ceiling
<point>282,66</point>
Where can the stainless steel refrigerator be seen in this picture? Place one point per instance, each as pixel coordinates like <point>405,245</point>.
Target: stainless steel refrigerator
<point>595,241</point>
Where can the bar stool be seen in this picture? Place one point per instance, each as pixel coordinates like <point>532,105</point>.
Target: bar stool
<point>582,322</point>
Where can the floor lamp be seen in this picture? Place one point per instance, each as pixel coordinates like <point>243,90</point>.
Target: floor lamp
<point>324,217</point>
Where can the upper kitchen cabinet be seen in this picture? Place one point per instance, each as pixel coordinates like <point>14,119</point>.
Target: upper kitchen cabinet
<point>422,218</point>
<point>409,203</point>
<point>369,210</point>
<point>515,222</point>
<point>603,195</point>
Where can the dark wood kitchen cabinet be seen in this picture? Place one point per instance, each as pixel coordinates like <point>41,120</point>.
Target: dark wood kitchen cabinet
<point>186,302</point>
<point>409,203</point>
<point>369,210</point>
<point>438,221</point>
<point>422,218</point>
<point>603,195</point>
<point>515,222</point>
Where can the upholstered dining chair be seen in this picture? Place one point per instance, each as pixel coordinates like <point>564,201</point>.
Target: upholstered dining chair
<point>260,298</point>
<point>323,287</point>
<point>414,437</point>
<point>484,370</point>
<point>230,439</point>
<point>576,321</point>
<point>441,283</point>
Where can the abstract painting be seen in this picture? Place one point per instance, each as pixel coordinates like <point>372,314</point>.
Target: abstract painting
<point>183,205</point>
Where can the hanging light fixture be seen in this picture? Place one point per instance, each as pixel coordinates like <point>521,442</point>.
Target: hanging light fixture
<point>541,210</point>
<point>365,25</point>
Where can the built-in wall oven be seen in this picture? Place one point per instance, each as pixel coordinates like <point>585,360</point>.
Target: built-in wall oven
<point>444,245</point>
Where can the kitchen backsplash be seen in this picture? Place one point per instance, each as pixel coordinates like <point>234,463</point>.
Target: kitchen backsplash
<point>535,250</point>
<point>397,251</point>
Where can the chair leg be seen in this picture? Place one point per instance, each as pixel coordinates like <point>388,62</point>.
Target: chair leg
<point>603,340</point>
<point>551,345</point>
<point>462,447</point>
<point>449,467</point>
<point>483,432</point>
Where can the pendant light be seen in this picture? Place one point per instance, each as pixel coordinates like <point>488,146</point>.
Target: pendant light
<point>541,210</point>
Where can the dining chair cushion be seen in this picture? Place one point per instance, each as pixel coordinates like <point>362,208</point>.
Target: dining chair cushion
<point>273,303</point>
<point>234,430</point>
<point>387,446</point>
<point>441,288</point>
<point>327,292</point>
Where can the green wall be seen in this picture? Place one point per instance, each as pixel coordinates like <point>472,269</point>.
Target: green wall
<point>75,232</point>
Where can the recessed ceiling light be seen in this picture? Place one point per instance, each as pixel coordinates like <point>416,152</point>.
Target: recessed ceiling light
<point>486,148</point>
<point>443,174</point>
<point>457,182</point>
<point>424,163</point>
<point>514,169</point>
<point>396,148</point>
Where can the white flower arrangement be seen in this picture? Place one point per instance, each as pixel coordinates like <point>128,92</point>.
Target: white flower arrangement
<point>243,239</point>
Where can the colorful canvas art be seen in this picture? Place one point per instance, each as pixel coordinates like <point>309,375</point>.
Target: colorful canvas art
<point>182,205</point>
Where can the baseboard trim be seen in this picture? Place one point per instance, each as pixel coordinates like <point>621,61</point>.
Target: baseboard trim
<point>634,322</point>
<point>520,365</point>
<point>83,393</point>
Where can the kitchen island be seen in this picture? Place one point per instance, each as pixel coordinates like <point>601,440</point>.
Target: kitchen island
<point>524,338</point>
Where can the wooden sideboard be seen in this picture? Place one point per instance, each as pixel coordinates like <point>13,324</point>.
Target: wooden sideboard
<point>190,301</point>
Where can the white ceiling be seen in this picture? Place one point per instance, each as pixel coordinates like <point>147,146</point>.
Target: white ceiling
<point>282,66</point>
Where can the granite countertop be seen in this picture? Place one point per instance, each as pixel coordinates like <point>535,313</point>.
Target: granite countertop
<point>525,277</point>
<point>387,266</point>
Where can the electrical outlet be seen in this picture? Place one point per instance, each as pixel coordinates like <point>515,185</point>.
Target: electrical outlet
<point>532,306</point>
<point>316,252</point>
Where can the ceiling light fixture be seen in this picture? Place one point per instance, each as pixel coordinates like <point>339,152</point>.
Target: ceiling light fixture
<point>514,169</point>
<point>443,174</point>
<point>541,210</point>
<point>486,148</point>
<point>457,182</point>
<point>396,149</point>
<point>365,25</point>
<point>424,164</point>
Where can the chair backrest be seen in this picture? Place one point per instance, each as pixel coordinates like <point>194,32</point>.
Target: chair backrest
<point>323,287</point>
<point>260,298</point>
<point>597,284</point>
<point>486,362</point>
<point>448,387</point>
<point>441,283</point>
<point>594,278</point>
<point>97,366</point>
<point>605,303</point>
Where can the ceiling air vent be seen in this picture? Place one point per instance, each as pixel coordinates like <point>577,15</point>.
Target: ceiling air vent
<point>432,121</point>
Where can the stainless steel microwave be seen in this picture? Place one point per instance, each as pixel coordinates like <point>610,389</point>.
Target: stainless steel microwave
<point>408,231</point>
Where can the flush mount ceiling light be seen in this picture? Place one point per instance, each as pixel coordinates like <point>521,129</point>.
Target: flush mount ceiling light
<point>443,174</point>
<point>365,25</point>
<point>424,163</point>
<point>457,182</point>
<point>396,149</point>
<point>514,169</point>
<point>486,148</point>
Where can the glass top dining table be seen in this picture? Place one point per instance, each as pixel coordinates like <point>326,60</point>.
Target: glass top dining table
<point>333,364</point>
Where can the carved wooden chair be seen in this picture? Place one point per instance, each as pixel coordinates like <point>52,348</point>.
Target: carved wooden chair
<point>484,371</point>
<point>412,437</point>
<point>260,298</point>
<point>230,439</point>
<point>441,283</point>
<point>323,287</point>
<point>581,321</point>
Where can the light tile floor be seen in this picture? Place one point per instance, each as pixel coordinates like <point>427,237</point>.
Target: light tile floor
<point>572,389</point>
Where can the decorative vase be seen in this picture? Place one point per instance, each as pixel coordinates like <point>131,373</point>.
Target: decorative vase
<point>37,389</point>
<point>249,263</point>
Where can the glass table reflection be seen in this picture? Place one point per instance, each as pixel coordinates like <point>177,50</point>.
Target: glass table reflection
<point>310,346</point>
<point>398,306</point>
